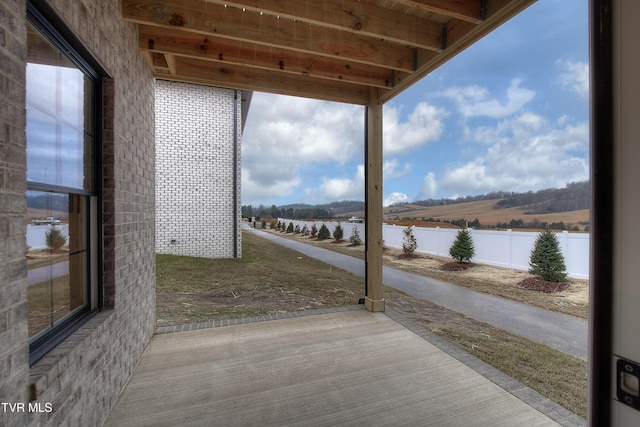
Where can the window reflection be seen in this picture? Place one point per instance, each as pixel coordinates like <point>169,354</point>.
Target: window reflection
<point>56,257</point>
<point>62,104</point>
<point>57,93</point>
<point>60,137</point>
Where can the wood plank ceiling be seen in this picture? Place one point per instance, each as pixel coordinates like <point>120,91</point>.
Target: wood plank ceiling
<point>335,50</point>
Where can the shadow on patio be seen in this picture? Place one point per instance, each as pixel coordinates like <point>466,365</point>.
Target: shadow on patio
<point>342,366</point>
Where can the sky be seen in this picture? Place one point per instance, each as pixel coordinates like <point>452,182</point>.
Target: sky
<point>510,113</point>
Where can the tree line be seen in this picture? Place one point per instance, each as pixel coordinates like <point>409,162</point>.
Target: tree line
<point>575,196</point>
<point>273,211</point>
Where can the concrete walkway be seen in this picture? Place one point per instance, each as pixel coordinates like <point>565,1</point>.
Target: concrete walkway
<point>565,333</point>
<point>349,367</point>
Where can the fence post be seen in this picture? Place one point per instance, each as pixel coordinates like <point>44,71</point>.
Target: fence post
<point>509,238</point>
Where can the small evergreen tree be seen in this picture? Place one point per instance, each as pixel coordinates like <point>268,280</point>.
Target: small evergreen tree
<point>338,233</point>
<point>314,231</point>
<point>547,260</point>
<point>305,230</point>
<point>409,242</point>
<point>324,232</point>
<point>296,230</point>
<point>54,239</point>
<point>462,249</point>
<point>355,237</point>
<point>290,228</point>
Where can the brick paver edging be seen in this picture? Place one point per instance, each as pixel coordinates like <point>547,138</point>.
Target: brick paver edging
<point>244,320</point>
<point>532,398</point>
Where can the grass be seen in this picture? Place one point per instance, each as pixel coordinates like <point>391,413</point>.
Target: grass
<point>271,279</point>
<point>552,373</point>
<point>267,279</point>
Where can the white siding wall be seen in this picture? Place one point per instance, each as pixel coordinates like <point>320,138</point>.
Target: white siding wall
<point>195,210</point>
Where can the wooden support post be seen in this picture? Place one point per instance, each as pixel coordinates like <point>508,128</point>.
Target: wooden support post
<point>373,169</point>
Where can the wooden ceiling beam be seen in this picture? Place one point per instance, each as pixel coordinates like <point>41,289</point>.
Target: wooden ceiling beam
<point>353,16</point>
<point>460,36</point>
<point>237,77</point>
<point>466,10</point>
<point>232,23</point>
<point>215,49</point>
<point>336,50</point>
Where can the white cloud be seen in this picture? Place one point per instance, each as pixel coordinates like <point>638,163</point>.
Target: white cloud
<point>390,169</point>
<point>302,129</point>
<point>285,135</point>
<point>429,187</point>
<point>352,188</point>
<point>474,100</point>
<point>333,189</point>
<point>395,198</point>
<point>255,191</point>
<point>575,77</point>
<point>425,124</point>
<point>528,153</point>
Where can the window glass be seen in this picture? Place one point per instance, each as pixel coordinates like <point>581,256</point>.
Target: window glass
<point>56,257</point>
<point>58,95</point>
<point>60,105</point>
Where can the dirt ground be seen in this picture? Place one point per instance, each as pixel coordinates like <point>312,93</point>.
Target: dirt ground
<point>577,293</point>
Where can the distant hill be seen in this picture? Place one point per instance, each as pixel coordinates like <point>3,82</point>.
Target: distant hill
<point>575,196</point>
<point>305,211</point>
<point>334,208</point>
<point>560,209</point>
<point>566,208</point>
<point>483,214</point>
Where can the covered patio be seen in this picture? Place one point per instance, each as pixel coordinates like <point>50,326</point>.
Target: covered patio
<point>334,367</point>
<point>345,367</point>
<point>362,52</point>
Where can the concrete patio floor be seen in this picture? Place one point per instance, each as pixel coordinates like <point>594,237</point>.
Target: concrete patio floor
<point>348,367</point>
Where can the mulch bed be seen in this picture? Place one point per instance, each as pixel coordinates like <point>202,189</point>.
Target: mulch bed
<point>536,284</point>
<point>457,266</point>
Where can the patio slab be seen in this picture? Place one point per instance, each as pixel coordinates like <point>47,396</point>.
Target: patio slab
<point>342,368</point>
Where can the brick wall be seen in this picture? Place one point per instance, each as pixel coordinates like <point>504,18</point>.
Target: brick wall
<point>195,138</point>
<point>14,350</point>
<point>82,377</point>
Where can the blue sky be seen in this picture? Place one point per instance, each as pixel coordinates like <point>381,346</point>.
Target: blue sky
<point>510,113</point>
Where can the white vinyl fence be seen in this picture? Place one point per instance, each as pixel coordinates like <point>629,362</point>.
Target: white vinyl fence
<point>508,248</point>
<point>36,234</point>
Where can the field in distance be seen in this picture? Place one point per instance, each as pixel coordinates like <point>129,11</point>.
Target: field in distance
<point>484,210</point>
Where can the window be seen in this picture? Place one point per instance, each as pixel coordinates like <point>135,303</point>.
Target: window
<point>62,103</point>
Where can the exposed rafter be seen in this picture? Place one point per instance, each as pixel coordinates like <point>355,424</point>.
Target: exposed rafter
<point>332,49</point>
<point>465,10</point>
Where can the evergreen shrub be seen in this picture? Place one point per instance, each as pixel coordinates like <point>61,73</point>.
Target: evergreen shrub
<point>323,233</point>
<point>54,239</point>
<point>338,233</point>
<point>547,260</point>
<point>462,249</point>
